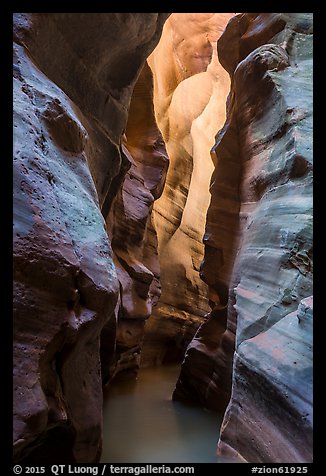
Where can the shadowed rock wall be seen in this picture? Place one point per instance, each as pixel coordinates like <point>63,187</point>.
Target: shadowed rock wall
<point>73,79</point>
<point>133,236</point>
<point>258,247</point>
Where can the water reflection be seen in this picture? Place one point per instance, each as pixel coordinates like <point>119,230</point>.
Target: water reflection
<point>143,425</point>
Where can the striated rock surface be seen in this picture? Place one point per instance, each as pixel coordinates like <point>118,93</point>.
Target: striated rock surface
<point>190,90</point>
<point>258,247</point>
<point>133,236</point>
<point>274,370</point>
<point>73,79</point>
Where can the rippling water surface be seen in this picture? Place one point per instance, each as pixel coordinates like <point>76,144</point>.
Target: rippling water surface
<point>143,425</point>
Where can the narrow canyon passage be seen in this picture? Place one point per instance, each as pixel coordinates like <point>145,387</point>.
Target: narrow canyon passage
<point>163,257</point>
<point>152,427</point>
<point>141,412</point>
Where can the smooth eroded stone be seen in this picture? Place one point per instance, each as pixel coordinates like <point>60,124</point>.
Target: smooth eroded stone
<point>258,246</point>
<point>74,74</point>
<point>190,90</point>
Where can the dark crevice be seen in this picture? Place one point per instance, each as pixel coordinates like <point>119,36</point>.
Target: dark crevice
<point>55,446</point>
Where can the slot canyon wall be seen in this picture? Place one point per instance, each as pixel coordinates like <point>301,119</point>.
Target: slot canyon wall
<point>73,79</point>
<point>112,167</point>
<point>190,91</point>
<point>133,235</point>
<point>258,248</point>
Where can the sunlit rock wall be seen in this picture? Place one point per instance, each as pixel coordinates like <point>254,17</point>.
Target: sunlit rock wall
<point>190,90</point>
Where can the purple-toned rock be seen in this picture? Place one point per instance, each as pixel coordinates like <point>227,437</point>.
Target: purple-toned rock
<point>73,79</point>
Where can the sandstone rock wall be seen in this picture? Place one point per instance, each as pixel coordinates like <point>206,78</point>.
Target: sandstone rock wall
<point>133,236</point>
<point>83,169</point>
<point>258,247</point>
<point>190,90</point>
<point>73,79</point>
